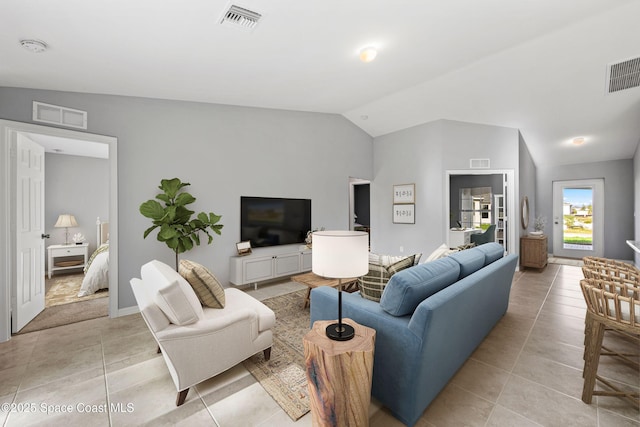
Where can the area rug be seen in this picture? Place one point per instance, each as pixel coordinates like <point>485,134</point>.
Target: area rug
<point>64,288</point>
<point>283,376</point>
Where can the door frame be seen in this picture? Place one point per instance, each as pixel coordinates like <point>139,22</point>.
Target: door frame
<point>352,183</point>
<point>7,198</point>
<point>597,185</point>
<point>510,206</point>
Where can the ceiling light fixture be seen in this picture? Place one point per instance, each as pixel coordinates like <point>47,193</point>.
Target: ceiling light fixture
<point>35,46</point>
<point>578,141</point>
<point>368,54</point>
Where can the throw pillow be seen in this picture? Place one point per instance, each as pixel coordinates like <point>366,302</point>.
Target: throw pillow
<point>441,252</point>
<point>210,292</point>
<point>387,260</point>
<point>373,283</point>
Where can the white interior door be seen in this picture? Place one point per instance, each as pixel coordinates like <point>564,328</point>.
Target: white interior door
<point>578,223</point>
<point>28,295</point>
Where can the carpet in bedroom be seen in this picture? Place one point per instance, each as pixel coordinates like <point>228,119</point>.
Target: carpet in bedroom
<point>63,306</point>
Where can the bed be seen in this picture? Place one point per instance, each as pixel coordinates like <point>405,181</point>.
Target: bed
<point>96,271</point>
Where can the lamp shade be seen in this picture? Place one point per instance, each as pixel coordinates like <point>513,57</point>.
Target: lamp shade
<point>66,220</point>
<point>340,254</point>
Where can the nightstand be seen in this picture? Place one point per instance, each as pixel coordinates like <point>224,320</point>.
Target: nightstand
<point>69,257</point>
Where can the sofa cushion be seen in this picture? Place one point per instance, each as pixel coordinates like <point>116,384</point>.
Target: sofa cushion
<point>172,293</point>
<point>209,291</point>
<point>470,260</point>
<point>408,288</point>
<point>372,284</point>
<point>492,252</point>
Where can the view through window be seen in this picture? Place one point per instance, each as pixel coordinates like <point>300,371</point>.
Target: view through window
<point>577,214</point>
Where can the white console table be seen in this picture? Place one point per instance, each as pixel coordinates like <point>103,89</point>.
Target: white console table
<point>63,251</point>
<point>269,263</point>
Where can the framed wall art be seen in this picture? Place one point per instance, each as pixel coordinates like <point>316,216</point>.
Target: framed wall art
<point>404,213</point>
<point>404,193</point>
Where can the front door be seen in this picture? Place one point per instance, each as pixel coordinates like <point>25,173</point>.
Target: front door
<point>28,296</point>
<point>578,223</point>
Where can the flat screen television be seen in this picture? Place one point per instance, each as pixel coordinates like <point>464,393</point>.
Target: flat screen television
<point>272,221</point>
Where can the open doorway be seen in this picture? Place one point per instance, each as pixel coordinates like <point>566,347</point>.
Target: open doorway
<point>8,133</point>
<point>477,200</point>
<point>360,205</point>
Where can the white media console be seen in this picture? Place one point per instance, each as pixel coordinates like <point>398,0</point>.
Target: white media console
<point>269,263</point>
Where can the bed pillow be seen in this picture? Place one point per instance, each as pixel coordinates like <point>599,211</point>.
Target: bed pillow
<point>209,291</point>
<point>372,284</point>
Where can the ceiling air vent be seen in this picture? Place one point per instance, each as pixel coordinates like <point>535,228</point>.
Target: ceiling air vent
<point>479,163</point>
<point>623,75</point>
<point>240,17</point>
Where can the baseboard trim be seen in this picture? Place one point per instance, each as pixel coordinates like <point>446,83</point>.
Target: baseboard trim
<point>127,311</point>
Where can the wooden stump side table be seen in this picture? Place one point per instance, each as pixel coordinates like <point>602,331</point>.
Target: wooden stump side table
<point>339,375</point>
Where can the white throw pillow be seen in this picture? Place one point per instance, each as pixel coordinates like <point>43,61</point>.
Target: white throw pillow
<point>441,252</point>
<point>173,291</point>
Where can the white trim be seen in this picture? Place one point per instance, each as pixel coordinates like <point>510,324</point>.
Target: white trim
<point>7,242</point>
<point>511,216</point>
<point>127,311</point>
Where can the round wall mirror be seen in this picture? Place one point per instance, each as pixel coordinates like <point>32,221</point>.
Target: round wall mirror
<point>524,212</point>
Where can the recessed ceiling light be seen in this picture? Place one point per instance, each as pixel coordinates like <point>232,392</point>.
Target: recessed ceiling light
<point>35,46</point>
<point>578,141</point>
<point>368,54</point>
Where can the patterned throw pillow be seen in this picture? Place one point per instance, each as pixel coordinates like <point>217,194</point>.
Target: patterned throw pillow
<point>373,283</point>
<point>210,292</point>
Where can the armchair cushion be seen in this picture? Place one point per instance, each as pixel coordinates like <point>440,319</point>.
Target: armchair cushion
<point>209,291</point>
<point>172,293</point>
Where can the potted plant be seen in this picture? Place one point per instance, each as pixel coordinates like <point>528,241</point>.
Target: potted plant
<point>177,229</point>
<point>538,225</point>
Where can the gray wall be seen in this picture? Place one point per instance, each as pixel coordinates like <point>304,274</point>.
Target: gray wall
<point>224,152</point>
<point>527,185</point>
<point>422,155</point>
<point>618,200</point>
<point>636,192</point>
<point>79,186</point>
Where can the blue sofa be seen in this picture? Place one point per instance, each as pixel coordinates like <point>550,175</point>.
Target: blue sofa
<point>431,317</point>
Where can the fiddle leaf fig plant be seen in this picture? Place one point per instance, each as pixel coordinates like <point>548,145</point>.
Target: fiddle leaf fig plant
<point>173,218</point>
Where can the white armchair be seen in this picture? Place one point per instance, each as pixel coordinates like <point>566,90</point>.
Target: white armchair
<point>198,343</point>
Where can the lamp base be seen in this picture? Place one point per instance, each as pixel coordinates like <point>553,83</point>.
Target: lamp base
<point>340,333</point>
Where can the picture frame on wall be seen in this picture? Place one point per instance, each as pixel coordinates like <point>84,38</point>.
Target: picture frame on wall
<point>404,193</point>
<point>244,248</point>
<point>404,213</point>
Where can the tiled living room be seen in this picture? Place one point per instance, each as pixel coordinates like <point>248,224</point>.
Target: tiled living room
<point>302,101</point>
<point>528,371</point>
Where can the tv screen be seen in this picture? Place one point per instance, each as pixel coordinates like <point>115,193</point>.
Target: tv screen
<point>271,221</point>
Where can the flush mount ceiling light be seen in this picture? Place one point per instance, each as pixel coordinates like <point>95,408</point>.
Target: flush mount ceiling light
<point>35,46</point>
<point>577,141</point>
<point>368,54</point>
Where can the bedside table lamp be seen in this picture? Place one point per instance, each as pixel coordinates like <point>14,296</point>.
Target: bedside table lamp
<point>65,221</point>
<point>340,255</point>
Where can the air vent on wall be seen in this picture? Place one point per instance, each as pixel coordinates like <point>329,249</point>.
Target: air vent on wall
<point>240,17</point>
<point>63,116</point>
<point>623,75</point>
<point>479,163</point>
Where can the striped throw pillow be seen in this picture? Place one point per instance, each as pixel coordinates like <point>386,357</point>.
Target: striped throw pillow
<point>210,292</point>
<point>373,283</point>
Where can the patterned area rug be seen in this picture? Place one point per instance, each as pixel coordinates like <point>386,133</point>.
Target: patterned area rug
<point>283,377</point>
<point>64,288</point>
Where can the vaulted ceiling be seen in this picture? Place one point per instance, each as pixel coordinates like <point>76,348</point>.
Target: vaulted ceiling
<point>536,65</point>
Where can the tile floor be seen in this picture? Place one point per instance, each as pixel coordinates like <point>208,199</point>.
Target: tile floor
<point>527,372</point>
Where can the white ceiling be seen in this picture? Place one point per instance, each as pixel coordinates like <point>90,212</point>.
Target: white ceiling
<point>535,65</point>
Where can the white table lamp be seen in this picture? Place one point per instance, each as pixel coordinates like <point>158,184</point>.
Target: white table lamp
<point>340,255</point>
<point>65,221</point>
